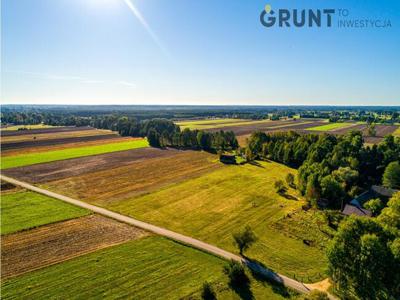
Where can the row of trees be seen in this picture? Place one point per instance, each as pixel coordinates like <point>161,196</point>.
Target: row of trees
<point>194,139</point>
<point>334,168</point>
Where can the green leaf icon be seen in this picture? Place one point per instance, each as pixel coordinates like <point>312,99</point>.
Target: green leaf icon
<point>268,8</point>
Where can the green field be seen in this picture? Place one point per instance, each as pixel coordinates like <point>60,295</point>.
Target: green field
<point>24,210</point>
<point>42,157</point>
<point>215,205</point>
<point>37,126</point>
<point>149,268</point>
<point>216,123</point>
<point>330,126</point>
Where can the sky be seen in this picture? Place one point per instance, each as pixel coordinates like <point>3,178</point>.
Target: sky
<point>196,52</point>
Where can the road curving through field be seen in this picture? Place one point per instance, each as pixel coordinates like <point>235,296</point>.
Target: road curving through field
<point>291,283</point>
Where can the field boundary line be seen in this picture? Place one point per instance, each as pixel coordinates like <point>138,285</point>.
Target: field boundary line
<point>255,267</point>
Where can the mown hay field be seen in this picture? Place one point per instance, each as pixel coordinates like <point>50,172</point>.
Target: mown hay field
<point>42,157</point>
<point>149,268</point>
<point>194,195</point>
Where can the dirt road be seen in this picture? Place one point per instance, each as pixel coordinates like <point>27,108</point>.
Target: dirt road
<point>296,285</point>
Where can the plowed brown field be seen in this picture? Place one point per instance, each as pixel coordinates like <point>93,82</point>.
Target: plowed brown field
<point>43,130</point>
<point>29,250</point>
<point>52,136</point>
<point>50,142</point>
<point>61,169</point>
<point>270,126</point>
<point>136,178</point>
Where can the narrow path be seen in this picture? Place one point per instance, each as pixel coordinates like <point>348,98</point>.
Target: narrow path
<point>296,285</point>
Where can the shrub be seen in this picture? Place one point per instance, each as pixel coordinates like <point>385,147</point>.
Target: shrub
<point>280,187</point>
<point>290,180</point>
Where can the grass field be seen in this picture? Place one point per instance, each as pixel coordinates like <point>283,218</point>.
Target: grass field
<point>217,123</point>
<point>24,210</point>
<point>149,268</point>
<point>330,126</point>
<point>217,204</point>
<point>42,157</point>
<point>37,126</point>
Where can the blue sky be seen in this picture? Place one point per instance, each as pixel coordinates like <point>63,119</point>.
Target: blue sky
<point>195,52</point>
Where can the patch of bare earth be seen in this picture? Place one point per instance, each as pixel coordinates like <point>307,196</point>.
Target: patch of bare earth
<point>46,245</point>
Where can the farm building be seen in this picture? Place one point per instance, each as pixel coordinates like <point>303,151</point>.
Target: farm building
<point>375,191</point>
<point>354,210</point>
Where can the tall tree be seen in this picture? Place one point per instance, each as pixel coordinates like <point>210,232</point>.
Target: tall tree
<point>391,177</point>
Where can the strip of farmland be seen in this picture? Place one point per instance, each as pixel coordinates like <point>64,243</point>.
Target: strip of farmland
<point>79,166</point>
<point>29,250</point>
<point>50,142</point>
<point>21,210</point>
<point>36,158</point>
<point>67,145</point>
<point>44,130</point>
<point>57,135</point>
<point>270,126</point>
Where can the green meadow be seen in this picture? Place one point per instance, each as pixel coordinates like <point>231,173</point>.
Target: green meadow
<point>149,268</point>
<point>217,204</point>
<point>330,126</point>
<point>24,210</point>
<point>42,157</point>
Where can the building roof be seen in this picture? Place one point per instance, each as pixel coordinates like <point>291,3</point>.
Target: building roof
<point>383,191</point>
<point>354,210</point>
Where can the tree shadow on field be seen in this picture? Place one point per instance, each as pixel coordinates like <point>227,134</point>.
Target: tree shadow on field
<point>277,285</point>
<point>289,197</point>
<point>243,290</point>
<point>256,164</point>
